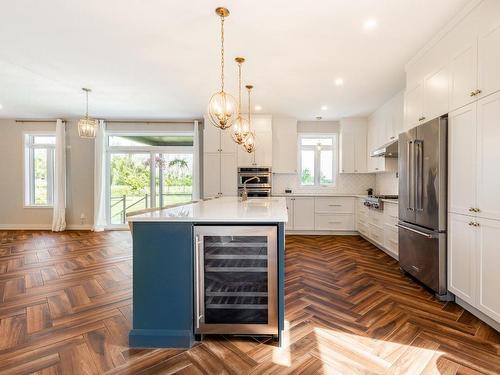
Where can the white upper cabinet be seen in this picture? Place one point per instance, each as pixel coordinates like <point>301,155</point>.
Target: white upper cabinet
<point>463,77</point>
<point>263,154</point>
<point>436,94</point>
<point>353,157</point>
<point>284,148</point>
<point>462,160</point>
<point>488,155</point>
<point>489,62</point>
<point>414,106</point>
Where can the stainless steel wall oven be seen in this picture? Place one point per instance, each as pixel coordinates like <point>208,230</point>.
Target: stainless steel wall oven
<point>236,280</point>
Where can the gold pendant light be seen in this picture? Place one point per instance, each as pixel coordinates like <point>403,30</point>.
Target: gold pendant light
<point>87,126</point>
<point>249,144</point>
<point>241,127</point>
<point>222,107</point>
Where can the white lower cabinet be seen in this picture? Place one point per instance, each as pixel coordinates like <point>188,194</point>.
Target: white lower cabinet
<point>320,214</point>
<point>473,261</point>
<point>379,227</point>
<point>303,213</point>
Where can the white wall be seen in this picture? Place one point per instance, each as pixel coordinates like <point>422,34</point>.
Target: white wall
<point>346,183</point>
<point>80,178</point>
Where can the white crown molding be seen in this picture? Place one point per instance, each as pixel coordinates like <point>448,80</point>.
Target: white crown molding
<point>445,30</point>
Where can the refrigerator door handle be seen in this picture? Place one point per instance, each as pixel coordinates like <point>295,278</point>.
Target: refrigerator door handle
<point>419,178</point>
<point>414,231</point>
<point>409,168</point>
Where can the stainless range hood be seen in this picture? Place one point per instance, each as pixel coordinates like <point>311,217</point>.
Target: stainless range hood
<point>389,150</point>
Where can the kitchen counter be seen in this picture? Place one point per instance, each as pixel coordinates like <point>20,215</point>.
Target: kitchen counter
<point>225,209</point>
<point>319,195</point>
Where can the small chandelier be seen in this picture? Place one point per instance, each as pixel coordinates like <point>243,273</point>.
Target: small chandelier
<point>87,126</point>
<point>249,144</point>
<point>222,106</point>
<point>241,127</point>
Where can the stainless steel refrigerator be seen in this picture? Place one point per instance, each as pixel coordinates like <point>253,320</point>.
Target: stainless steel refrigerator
<point>422,203</point>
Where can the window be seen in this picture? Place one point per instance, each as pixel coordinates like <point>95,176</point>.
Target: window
<point>146,171</point>
<point>39,169</point>
<point>317,159</point>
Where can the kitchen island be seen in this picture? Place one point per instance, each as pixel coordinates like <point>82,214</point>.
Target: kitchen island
<point>209,267</point>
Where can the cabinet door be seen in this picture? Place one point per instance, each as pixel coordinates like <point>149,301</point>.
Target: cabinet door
<point>462,160</point>
<point>462,257</point>
<point>227,144</point>
<point>211,137</point>
<point>463,77</point>
<point>360,153</point>
<point>488,62</point>
<point>264,150</point>
<point>284,149</point>
<point>436,94</point>
<point>303,213</point>
<point>488,154</point>
<point>347,150</point>
<point>244,158</point>
<point>488,259</point>
<point>413,106</point>
<point>211,174</point>
<point>289,206</point>
<point>228,174</point>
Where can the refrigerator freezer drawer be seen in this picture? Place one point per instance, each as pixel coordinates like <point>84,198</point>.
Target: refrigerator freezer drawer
<point>422,253</point>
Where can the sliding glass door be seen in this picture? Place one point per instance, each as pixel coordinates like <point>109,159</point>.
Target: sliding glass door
<point>146,171</point>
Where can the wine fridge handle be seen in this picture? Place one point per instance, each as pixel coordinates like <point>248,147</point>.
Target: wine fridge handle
<point>197,278</point>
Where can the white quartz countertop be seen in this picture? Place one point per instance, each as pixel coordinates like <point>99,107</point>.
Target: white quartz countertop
<point>220,210</point>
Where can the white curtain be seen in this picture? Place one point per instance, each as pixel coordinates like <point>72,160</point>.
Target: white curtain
<point>196,162</point>
<point>100,177</point>
<point>59,214</point>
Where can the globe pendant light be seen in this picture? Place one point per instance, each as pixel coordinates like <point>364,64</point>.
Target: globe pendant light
<point>249,144</point>
<point>87,126</point>
<point>222,107</point>
<point>240,128</point>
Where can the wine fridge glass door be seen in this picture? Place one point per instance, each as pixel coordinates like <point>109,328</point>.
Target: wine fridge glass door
<point>236,279</point>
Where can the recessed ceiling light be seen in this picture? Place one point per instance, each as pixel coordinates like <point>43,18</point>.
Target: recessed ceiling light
<point>339,82</point>
<point>258,107</point>
<point>370,24</point>
<point>324,107</point>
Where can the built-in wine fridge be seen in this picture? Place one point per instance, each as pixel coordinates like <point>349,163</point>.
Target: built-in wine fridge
<point>236,280</point>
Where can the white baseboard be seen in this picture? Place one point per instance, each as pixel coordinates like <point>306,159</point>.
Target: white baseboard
<point>485,318</point>
<point>42,227</point>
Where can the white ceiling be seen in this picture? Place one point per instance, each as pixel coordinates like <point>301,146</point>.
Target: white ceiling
<point>160,58</point>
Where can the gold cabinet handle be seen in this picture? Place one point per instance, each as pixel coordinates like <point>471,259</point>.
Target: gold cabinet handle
<point>477,92</point>
<point>472,209</point>
<point>472,93</point>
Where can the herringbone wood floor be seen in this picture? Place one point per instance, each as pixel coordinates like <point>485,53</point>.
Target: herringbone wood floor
<point>66,309</point>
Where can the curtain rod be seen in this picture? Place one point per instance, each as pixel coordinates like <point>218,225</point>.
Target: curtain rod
<point>126,121</point>
<point>151,122</point>
<point>40,120</point>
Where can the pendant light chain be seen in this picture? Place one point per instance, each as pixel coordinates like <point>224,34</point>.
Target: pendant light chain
<point>249,120</point>
<point>87,109</point>
<point>239,88</point>
<point>222,52</point>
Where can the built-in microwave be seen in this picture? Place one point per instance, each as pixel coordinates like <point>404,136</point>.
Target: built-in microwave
<point>263,173</point>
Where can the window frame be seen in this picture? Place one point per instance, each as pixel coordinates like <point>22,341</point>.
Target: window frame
<point>29,171</point>
<point>151,150</point>
<point>317,159</point>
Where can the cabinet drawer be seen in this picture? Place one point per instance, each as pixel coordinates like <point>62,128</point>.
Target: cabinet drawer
<point>364,219</point>
<point>376,234</point>
<point>334,222</point>
<point>391,210</point>
<point>344,205</point>
<point>390,235</point>
<point>377,218</point>
<point>363,229</point>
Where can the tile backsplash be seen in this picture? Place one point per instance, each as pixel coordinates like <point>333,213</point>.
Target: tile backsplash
<point>346,183</point>
<point>386,183</point>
